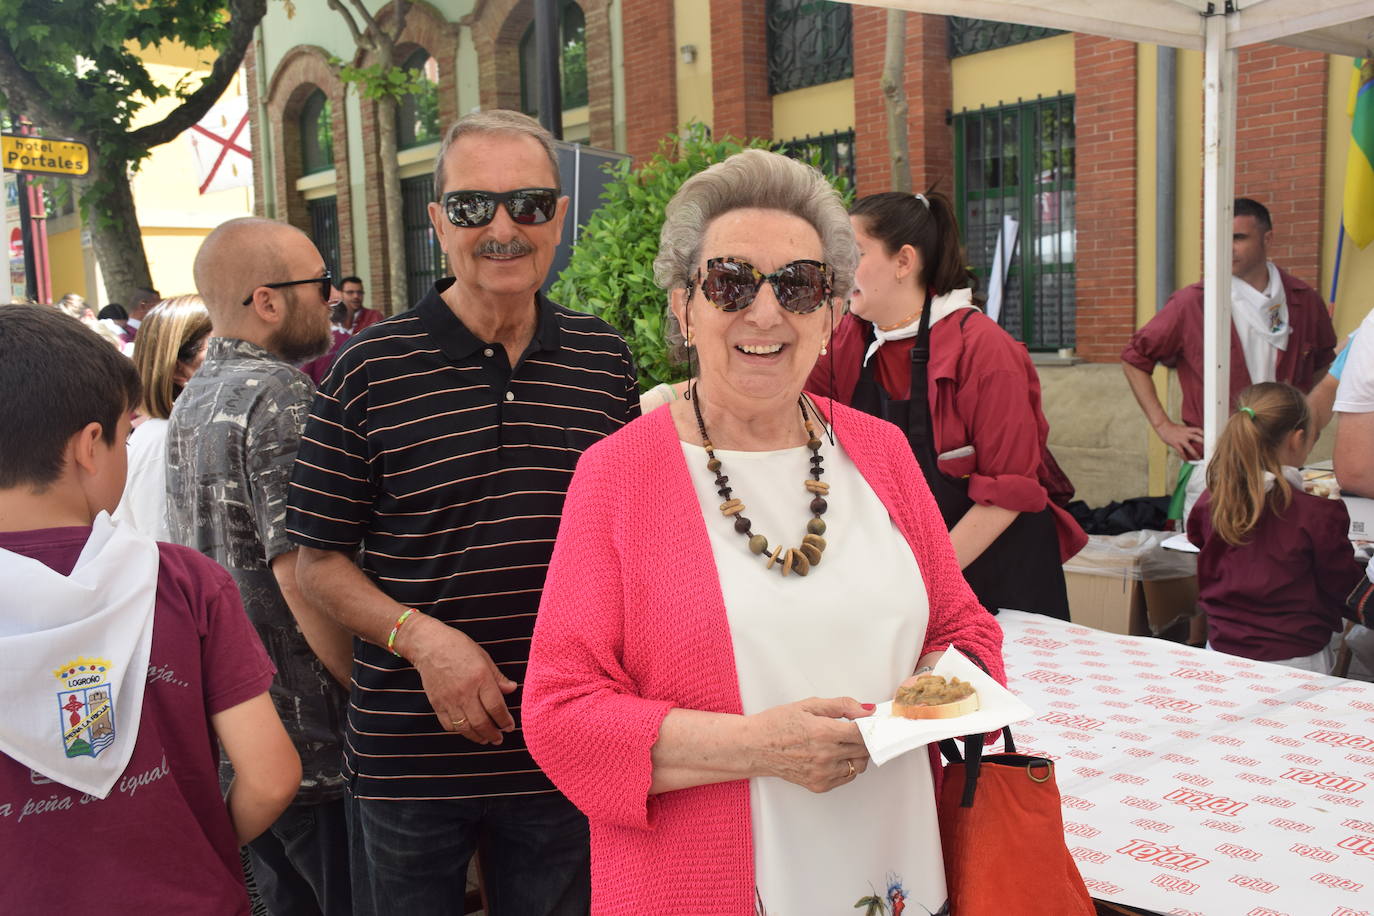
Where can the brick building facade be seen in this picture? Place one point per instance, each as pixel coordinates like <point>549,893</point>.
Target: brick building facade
<point>484,37</point>
<point>301,72</point>
<point>1281,135</point>
<point>930,142</point>
<point>1281,130</point>
<point>1105,128</point>
<point>1281,144</point>
<point>651,74</point>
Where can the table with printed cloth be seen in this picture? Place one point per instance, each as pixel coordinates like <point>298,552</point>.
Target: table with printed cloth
<point>1200,783</point>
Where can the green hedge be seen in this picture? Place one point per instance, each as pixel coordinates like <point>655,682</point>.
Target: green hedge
<point>611,272</point>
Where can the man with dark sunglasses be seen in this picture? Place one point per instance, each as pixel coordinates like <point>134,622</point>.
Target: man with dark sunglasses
<point>442,445</point>
<point>231,442</point>
<point>350,317</point>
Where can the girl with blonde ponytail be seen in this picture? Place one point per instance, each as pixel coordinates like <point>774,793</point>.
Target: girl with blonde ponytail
<point>1275,562</point>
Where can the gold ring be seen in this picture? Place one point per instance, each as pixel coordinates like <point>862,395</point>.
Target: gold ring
<point>459,723</point>
<point>850,774</point>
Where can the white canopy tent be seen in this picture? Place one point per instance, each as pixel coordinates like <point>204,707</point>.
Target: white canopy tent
<point>1217,29</point>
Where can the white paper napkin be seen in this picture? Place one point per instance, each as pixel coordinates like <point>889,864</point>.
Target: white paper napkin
<point>888,736</point>
<point>1179,542</point>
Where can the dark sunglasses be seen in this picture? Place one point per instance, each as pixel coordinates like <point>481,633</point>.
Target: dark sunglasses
<point>730,284</point>
<point>326,283</point>
<point>526,206</point>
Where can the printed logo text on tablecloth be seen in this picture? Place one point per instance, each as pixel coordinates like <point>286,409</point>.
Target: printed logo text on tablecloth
<point>1171,857</point>
<point>1252,883</point>
<point>1360,845</point>
<point>1337,882</point>
<point>1205,801</point>
<point>1176,884</point>
<point>1315,853</point>
<point>1297,826</point>
<point>1341,739</point>
<point>1332,781</point>
<point>1240,852</point>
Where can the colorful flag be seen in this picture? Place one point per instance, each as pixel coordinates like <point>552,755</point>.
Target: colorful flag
<point>1359,163</point>
<point>221,146</point>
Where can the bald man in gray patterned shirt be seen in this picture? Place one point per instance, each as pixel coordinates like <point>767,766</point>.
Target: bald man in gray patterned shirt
<point>231,442</point>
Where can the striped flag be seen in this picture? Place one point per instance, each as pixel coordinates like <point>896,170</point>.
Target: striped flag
<point>1359,164</point>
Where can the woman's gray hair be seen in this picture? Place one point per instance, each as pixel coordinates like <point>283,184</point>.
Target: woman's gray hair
<point>759,179</point>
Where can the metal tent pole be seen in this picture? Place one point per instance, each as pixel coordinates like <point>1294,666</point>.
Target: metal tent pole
<point>547,41</point>
<point>1219,182</point>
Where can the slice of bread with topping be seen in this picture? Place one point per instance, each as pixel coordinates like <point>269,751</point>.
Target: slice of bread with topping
<point>930,696</point>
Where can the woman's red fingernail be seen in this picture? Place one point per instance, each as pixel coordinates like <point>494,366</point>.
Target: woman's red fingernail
<point>869,706</point>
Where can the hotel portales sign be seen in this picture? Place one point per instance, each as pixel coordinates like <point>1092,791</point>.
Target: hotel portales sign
<point>44,156</point>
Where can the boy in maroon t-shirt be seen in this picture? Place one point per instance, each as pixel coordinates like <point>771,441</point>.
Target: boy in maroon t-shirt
<point>124,664</point>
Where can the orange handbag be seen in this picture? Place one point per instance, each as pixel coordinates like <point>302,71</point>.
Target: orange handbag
<point>1003,836</point>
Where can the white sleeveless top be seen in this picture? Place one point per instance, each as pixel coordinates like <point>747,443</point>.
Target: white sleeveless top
<point>853,627</point>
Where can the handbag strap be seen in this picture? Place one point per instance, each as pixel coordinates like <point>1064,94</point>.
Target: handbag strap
<point>972,759</point>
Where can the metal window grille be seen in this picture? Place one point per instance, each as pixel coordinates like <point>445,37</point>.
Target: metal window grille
<point>836,149</point>
<point>809,43</point>
<point>969,36</point>
<point>324,229</point>
<point>424,257</point>
<point>1018,161</point>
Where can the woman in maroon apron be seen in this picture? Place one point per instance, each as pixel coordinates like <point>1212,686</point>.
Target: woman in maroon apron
<point>916,350</point>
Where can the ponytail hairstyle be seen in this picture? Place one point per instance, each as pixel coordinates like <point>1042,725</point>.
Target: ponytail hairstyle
<point>927,223</point>
<point>1266,415</point>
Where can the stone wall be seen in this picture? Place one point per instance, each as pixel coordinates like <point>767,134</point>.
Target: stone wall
<point>1097,433</point>
<point>1100,437</point>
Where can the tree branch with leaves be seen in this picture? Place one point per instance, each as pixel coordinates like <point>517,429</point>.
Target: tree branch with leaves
<point>72,68</point>
<point>385,84</point>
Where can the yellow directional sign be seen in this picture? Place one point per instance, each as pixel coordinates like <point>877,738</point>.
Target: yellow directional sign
<point>43,156</point>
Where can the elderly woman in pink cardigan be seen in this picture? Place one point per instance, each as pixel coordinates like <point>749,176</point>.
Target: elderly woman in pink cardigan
<point>737,578</point>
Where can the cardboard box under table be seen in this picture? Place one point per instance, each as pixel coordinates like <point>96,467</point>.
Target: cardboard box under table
<point>1129,584</point>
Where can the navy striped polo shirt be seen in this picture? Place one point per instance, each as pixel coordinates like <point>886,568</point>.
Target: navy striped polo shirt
<point>445,470</point>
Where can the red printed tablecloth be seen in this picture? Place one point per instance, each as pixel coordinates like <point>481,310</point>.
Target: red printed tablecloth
<point>1196,783</point>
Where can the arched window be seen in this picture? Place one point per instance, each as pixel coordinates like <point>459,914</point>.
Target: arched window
<point>572,61</point>
<point>317,134</point>
<point>417,116</point>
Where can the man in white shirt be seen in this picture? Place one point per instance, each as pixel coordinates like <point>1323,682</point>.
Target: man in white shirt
<point>1354,455</point>
<point>1281,331</point>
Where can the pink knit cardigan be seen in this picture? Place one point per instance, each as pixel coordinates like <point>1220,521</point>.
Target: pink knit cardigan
<point>633,624</point>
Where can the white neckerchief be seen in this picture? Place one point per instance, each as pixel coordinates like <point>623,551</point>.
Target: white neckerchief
<point>77,646</point>
<point>940,307</point>
<point>1261,322</point>
<point>1290,474</point>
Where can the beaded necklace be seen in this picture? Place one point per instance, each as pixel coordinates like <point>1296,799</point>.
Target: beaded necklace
<point>797,560</point>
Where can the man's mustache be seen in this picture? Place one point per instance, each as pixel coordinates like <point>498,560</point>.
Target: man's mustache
<point>513,248</point>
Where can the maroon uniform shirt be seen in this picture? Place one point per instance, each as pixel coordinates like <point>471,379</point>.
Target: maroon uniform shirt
<point>161,841</point>
<point>983,392</point>
<point>1282,594</point>
<point>1174,337</point>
